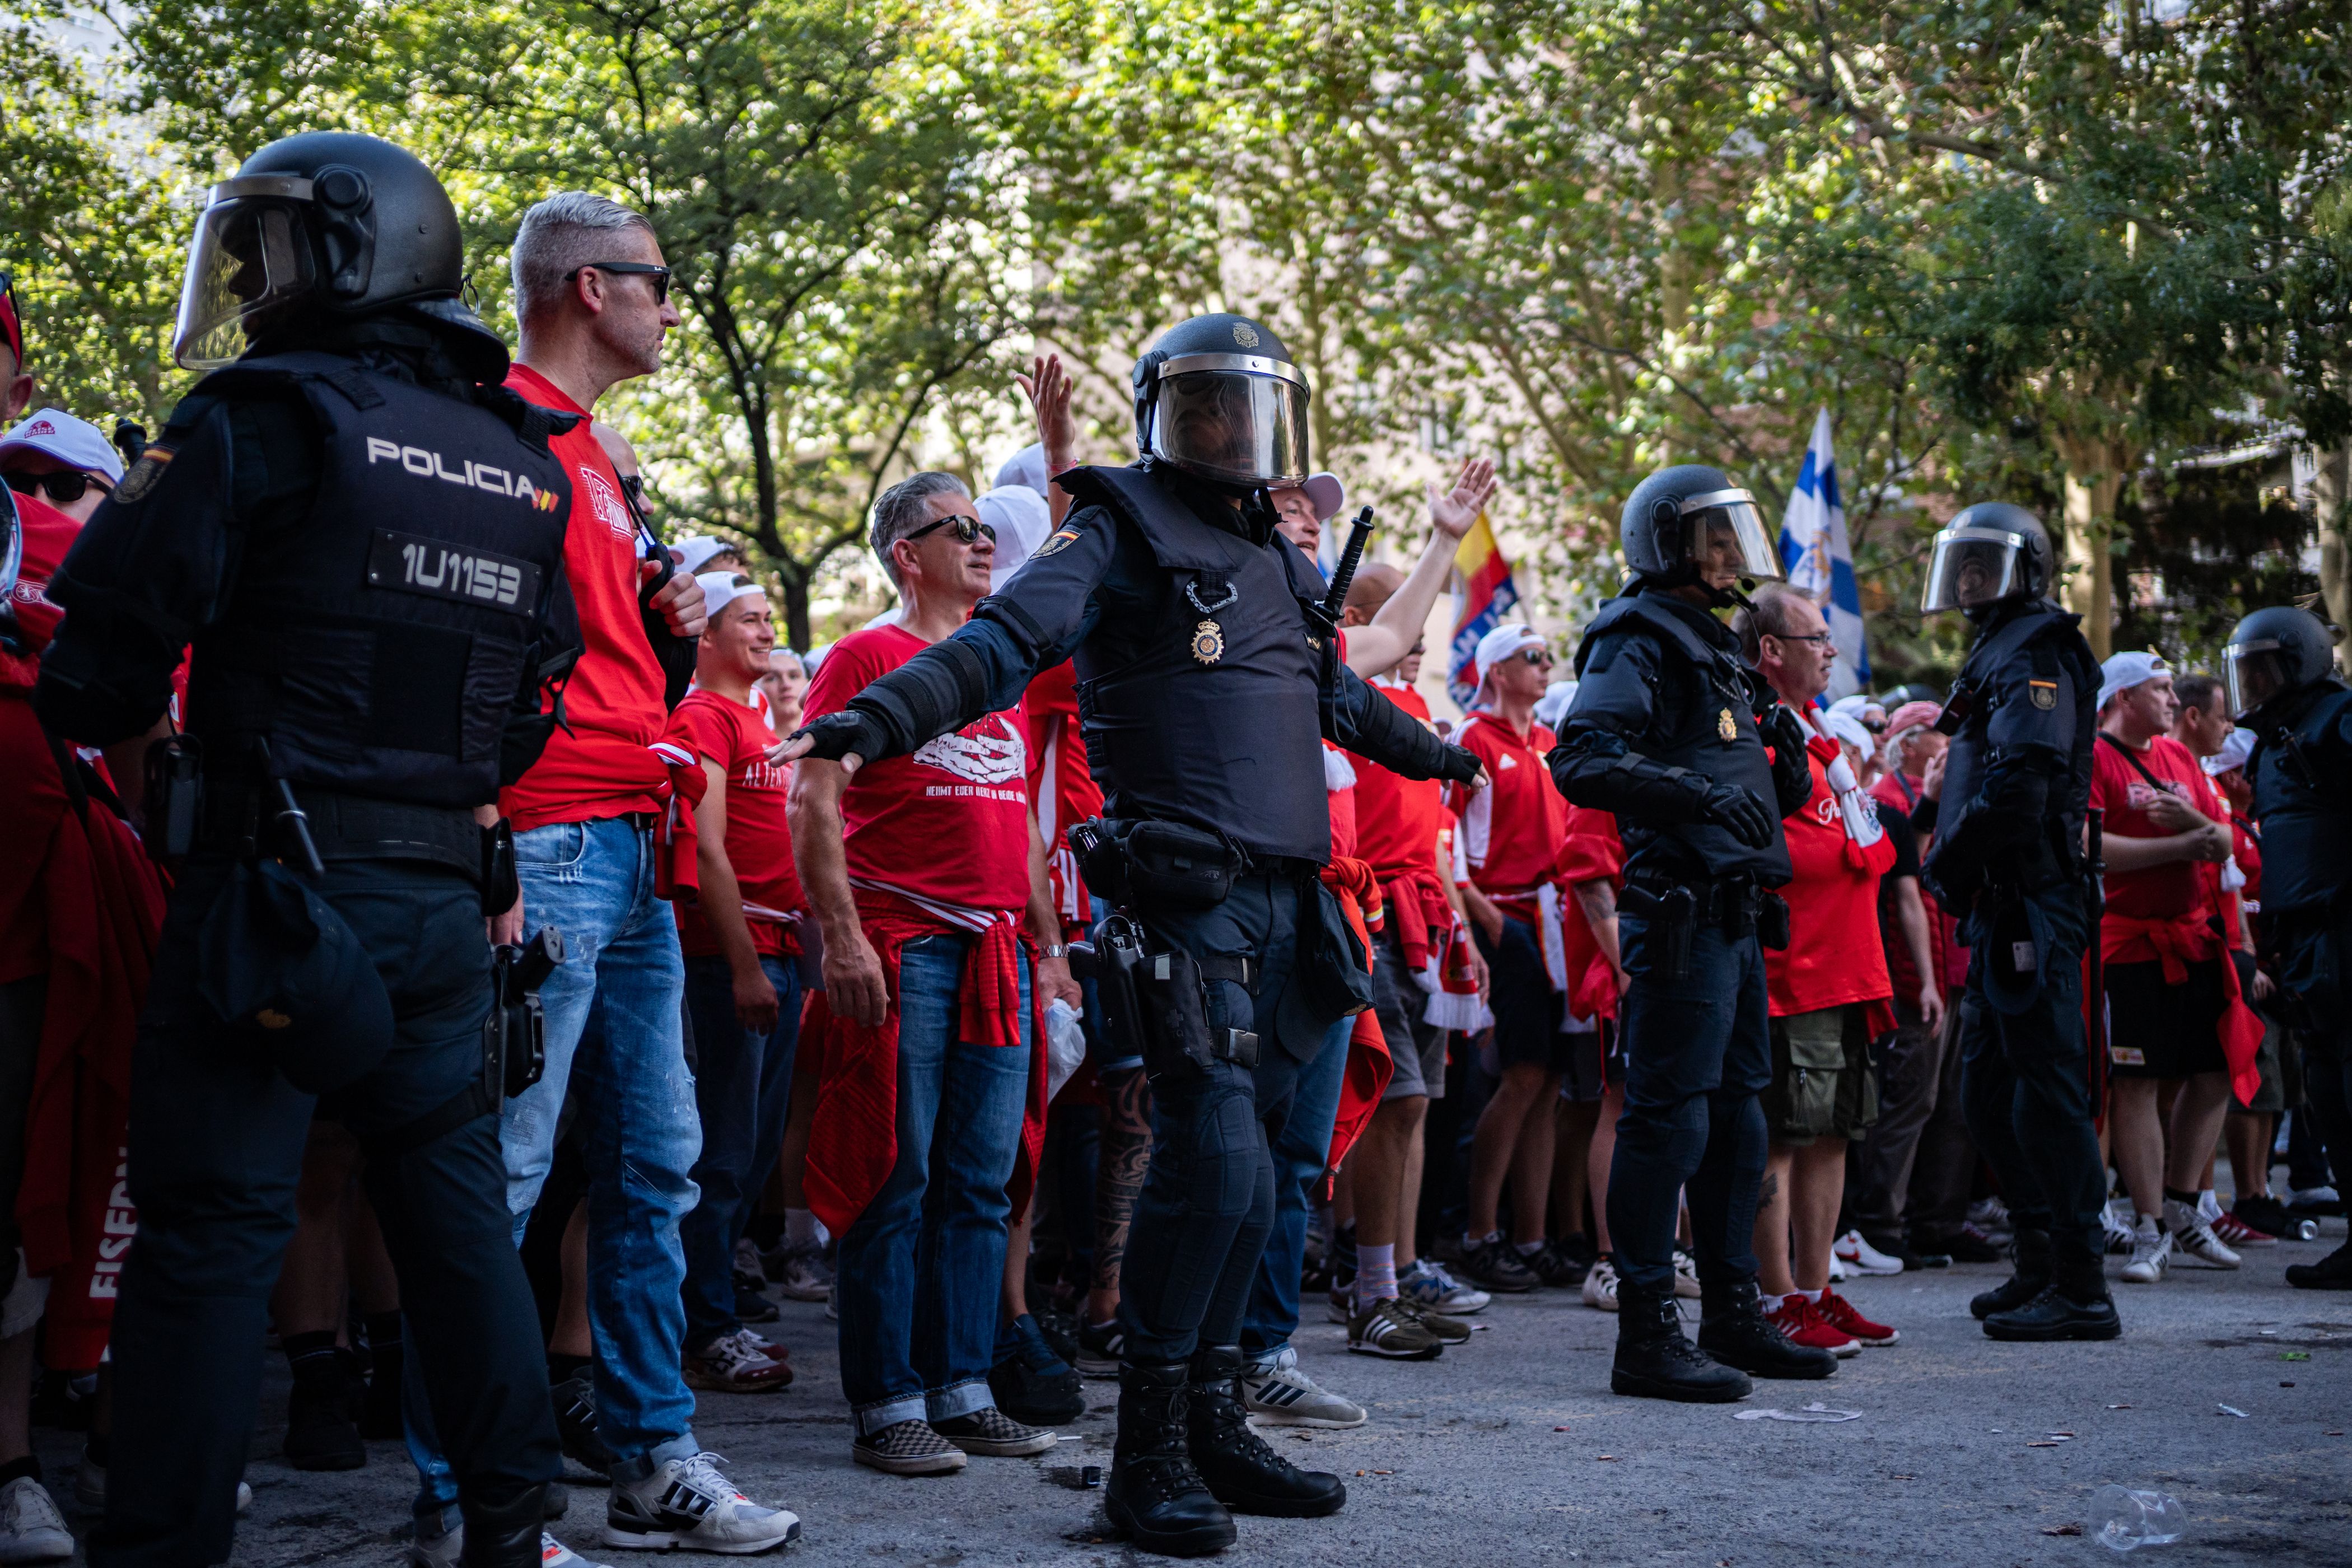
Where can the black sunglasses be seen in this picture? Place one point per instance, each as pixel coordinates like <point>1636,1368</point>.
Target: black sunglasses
<point>660,275</point>
<point>1538,657</point>
<point>65,486</point>
<point>967,529</point>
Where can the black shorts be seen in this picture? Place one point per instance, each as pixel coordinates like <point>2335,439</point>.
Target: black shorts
<point>2156,1030</point>
<point>1528,1011</point>
<point>1593,1063</point>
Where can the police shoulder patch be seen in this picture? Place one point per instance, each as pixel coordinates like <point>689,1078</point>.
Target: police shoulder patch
<point>143,475</point>
<point>1063,539</point>
<point>2043,693</point>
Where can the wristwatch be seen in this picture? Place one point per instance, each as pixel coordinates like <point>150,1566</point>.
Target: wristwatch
<point>1057,950</point>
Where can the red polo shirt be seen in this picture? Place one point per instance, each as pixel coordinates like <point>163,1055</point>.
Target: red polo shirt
<point>599,766</point>
<point>1398,818</point>
<point>737,736</point>
<point>1834,955</point>
<point>2184,888</point>
<point>1511,830</point>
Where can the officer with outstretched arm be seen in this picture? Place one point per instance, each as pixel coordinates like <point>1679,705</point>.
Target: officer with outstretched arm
<point>359,537</point>
<point>2280,667</point>
<point>2011,863</point>
<point>1668,730</point>
<point>1207,671</point>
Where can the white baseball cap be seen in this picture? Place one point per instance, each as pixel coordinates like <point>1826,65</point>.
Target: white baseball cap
<point>1329,494</point>
<point>2236,747</point>
<point>1021,520</point>
<point>1025,468</point>
<point>2126,670</point>
<point>1552,705</point>
<point>1502,643</point>
<point>720,589</point>
<point>694,552</point>
<point>76,442</point>
<point>1849,727</point>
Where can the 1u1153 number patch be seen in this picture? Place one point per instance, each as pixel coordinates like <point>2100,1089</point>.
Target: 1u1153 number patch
<point>444,570</point>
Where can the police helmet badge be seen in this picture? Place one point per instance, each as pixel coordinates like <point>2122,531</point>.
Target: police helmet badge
<point>1726,728</point>
<point>1244,334</point>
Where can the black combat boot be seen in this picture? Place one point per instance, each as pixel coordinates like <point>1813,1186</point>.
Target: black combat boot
<point>503,1531</point>
<point>2031,1252</point>
<point>1655,1362</point>
<point>319,1432</point>
<point>1243,1473</point>
<point>1732,1329</point>
<point>1153,1492</point>
<point>2333,1272</point>
<point>2072,1306</point>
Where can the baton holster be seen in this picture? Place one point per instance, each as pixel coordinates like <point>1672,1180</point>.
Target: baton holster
<point>1772,921</point>
<point>514,1037</point>
<point>1157,1003</point>
<point>501,883</point>
<point>1672,915</point>
<point>174,803</point>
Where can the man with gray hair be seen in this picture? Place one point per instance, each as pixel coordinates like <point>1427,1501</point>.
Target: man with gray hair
<point>592,294</point>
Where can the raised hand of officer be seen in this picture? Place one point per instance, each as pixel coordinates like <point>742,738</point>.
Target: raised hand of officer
<point>1735,807</point>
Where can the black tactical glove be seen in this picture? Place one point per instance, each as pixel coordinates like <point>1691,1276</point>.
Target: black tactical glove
<point>837,734</point>
<point>1782,732</point>
<point>1461,764</point>
<point>1735,807</point>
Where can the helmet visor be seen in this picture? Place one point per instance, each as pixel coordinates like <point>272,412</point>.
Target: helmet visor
<point>2255,671</point>
<point>1971,566</point>
<point>250,262</point>
<point>1239,426</point>
<point>1724,530</point>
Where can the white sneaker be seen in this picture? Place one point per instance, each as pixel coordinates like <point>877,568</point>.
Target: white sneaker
<point>2192,1233</point>
<point>1601,1285</point>
<point>686,1503</point>
<point>2311,1197</point>
<point>2117,1228</point>
<point>1990,1215</point>
<point>802,1275</point>
<point>2151,1251</point>
<point>1861,1258</point>
<point>1278,1393</point>
<point>31,1527</point>
<point>1685,1276</point>
<point>440,1550</point>
<point>1429,1287</point>
<point>553,1553</point>
<point>1839,1272</point>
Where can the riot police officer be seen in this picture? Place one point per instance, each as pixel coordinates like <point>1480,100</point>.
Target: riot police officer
<point>1668,730</point>
<point>2279,665</point>
<point>2011,863</point>
<point>1206,672</point>
<point>359,537</point>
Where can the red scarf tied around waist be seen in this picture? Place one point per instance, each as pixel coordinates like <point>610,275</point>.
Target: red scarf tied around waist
<point>676,874</point>
<point>1369,1065</point>
<point>854,1144</point>
<point>2178,942</point>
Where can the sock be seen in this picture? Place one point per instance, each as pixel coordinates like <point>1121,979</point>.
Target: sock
<point>1813,1296</point>
<point>310,1352</point>
<point>1471,1238</point>
<point>17,1469</point>
<point>800,1228</point>
<point>1376,1279</point>
<point>1527,1249</point>
<point>1770,1302</point>
<point>383,1333</point>
<point>564,1368</point>
<point>2177,1195</point>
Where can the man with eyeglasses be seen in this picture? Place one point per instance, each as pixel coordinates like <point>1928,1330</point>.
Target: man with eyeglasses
<point>63,460</point>
<point>942,945</point>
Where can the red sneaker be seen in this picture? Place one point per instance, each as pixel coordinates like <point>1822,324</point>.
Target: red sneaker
<point>1839,1313</point>
<point>1802,1324</point>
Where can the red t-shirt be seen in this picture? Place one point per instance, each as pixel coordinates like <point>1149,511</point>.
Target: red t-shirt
<point>24,915</point>
<point>737,736</point>
<point>1061,783</point>
<point>599,766</point>
<point>948,827</point>
<point>1834,955</point>
<point>1511,830</point>
<point>2160,892</point>
<point>1590,852</point>
<point>1398,818</point>
<point>1339,768</point>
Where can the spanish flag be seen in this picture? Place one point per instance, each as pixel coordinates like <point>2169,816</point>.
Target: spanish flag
<point>1483,595</point>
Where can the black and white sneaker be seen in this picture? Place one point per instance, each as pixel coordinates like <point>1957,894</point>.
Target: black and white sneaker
<point>686,1503</point>
<point>906,1449</point>
<point>1387,1329</point>
<point>1100,1345</point>
<point>991,1434</point>
<point>1497,1266</point>
<point>576,1425</point>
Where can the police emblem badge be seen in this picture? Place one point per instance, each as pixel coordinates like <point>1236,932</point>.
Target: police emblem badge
<point>2044,693</point>
<point>1726,728</point>
<point>1208,642</point>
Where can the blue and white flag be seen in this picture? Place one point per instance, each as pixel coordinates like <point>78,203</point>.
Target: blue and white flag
<point>1820,562</point>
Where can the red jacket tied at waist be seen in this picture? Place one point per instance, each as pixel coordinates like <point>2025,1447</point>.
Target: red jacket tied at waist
<point>854,1144</point>
<point>1369,1065</point>
<point>2177,943</point>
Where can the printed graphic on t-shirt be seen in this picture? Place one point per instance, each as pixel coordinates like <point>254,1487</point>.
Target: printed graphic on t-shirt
<point>982,756</point>
<point>605,502</point>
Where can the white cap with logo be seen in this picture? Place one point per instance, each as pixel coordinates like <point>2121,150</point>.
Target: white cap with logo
<point>76,442</point>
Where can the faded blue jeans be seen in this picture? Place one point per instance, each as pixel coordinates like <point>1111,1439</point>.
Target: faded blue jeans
<point>923,1269</point>
<point>615,1047</point>
<point>742,1080</point>
<point>1298,1139</point>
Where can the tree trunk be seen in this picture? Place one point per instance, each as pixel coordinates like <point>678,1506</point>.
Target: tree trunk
<point>2331,496</point>
<point>2094,477</point>
<point>797,612</point>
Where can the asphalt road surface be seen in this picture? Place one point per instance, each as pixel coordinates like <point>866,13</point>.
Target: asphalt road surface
<point>1511,1450</point>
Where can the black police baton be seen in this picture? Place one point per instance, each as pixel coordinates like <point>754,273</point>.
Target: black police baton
<point>289,817</point>
<point>1336,599</point>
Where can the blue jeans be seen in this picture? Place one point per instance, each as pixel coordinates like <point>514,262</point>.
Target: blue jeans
<point>922,1268</point>
<point>741,1082</point>
<point>1298,1138</point>
<point>615,1045</point>
<point>1698,1050</point>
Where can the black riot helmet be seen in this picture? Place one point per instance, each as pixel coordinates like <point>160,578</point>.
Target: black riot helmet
<point>1988,553</point>
<point>2274,652</point>
<point>315,229</point>
<point>1218,397</point>
<point>1683,518</point>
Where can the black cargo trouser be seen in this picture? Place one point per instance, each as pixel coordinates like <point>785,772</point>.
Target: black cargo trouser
<point>215,1151</point>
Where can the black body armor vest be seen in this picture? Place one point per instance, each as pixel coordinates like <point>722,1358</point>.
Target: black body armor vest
<point>1706,722</point>
<point>2039,643</point>
<point>2307,817</point>
<point>381,645</point>
<point>1207,708</point>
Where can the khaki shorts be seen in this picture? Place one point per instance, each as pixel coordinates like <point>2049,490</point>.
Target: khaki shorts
<point>1822,1083</point>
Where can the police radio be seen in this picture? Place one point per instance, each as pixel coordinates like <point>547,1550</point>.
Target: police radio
<point>515,1033</point>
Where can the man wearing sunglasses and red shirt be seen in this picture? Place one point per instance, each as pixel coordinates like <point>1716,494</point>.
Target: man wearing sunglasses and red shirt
<point>62,460</point>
